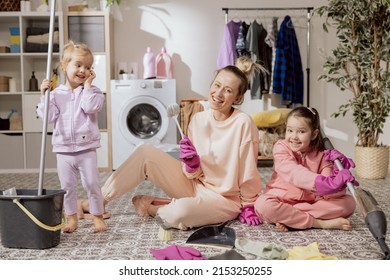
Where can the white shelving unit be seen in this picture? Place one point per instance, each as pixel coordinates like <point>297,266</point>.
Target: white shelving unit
<point>20,145</point>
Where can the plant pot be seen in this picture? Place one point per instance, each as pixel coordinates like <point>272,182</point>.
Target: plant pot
<point>372,162</point>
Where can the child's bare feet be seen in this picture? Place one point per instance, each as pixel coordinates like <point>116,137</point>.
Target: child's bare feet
<point>71,223</point>
<point>99,223</point>
<point>338,223</point>
<point>83,206</point>
<point>281,227</point>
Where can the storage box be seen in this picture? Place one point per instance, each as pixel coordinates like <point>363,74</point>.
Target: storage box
<point>16,124</point>
<point>78,8</point>
<point>18,230</point>
<point>9,5</point>
<point>4,124</point>
<point>4,83</point>
<point>15,40</point>
<point>14,31</point>
<point>15,48</point>
<point>4,49</point>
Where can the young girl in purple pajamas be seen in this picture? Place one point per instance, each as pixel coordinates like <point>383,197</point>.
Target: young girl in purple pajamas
<point>73,109</point>
<point>306,189</point>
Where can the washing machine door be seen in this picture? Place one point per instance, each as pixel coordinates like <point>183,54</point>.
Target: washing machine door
<point>143,119</point>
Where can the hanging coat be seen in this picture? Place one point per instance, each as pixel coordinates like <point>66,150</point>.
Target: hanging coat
<point>228,53</point>
<point>288,73</point>
<point>241,47</point>
<point>271,40</point>
<point>260,53</point>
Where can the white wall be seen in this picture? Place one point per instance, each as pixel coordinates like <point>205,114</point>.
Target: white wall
<point>192,32</point>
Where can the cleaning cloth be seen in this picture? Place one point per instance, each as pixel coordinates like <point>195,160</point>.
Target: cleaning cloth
<point>263,250</point>
<point>310,252</point>
<point>174,252</point>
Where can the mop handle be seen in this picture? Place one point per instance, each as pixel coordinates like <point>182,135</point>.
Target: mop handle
<point>47,98</point>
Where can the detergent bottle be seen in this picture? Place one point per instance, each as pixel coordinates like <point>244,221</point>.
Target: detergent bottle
<point>164,65</point>
<point>149,64</point>
<point>33,82</point>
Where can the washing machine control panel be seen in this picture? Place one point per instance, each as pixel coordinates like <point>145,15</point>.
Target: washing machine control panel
<point>151,84</point>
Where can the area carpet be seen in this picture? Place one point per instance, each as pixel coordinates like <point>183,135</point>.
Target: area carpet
<point>131,237</point>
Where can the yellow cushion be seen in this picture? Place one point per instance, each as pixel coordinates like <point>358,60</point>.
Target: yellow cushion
<point>271,118</point>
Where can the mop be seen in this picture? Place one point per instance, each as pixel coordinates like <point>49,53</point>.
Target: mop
<point>47,97</point>
<point>373,216</point>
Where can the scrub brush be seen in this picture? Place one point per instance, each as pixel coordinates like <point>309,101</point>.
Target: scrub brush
<point>164,234</point>
<point>173,111</point>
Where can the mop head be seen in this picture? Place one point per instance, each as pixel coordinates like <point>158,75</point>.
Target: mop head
<point>164,234</point>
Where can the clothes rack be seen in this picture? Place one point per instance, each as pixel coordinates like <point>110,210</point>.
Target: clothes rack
<point>309,14</point>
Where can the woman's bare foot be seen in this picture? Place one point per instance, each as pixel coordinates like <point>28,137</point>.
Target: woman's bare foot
<point>148,205</point>
<point>338,223</point>
<point>281,227</point>
<point>71,223</point>
<point>99,223</point>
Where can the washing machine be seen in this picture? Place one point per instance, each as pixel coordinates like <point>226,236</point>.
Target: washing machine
<point>139,115</point>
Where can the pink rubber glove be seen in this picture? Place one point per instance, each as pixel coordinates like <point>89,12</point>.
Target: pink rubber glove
<point>332,155</point>
<point>174,252</point>
<point>332,184</point>
<point>188,155</point>
<point>248,216</point>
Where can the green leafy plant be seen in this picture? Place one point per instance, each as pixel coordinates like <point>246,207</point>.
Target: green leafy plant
<point>112,2</point>
<point>360,62</point>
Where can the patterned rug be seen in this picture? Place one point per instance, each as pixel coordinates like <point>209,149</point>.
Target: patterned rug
<point>130,237</point>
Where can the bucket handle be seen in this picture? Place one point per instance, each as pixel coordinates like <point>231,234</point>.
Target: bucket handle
<point>35,220</point>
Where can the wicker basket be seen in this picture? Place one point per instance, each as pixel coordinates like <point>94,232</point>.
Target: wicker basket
<point>372,163</point>
<point>9,5</point>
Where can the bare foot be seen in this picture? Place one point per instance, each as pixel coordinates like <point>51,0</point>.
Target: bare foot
<point>338,223</point>
<point>71,223</point>
<point>148,205</point>
<point>83,205</point>
<point>83,210</point>
<point>80,208</point>
<point>281,227</point>
<point>99,223</point>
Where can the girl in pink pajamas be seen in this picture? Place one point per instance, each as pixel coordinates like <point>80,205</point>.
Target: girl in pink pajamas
<point>306,190</point>
<point>73,109</point>
<point>216,178</point>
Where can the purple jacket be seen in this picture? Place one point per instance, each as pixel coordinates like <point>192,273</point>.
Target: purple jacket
<point>75,117</point>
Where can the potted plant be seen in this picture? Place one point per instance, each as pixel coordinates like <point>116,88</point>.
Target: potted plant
<point>360,65</point>
<point>106,4</point>
<point>111,2</point>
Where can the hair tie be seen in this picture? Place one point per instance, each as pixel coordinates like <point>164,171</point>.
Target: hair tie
<point>311,110</point>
